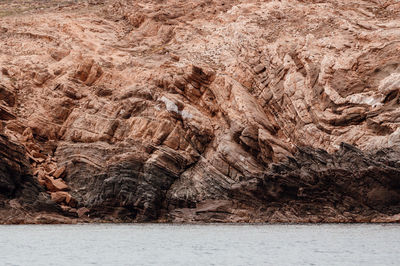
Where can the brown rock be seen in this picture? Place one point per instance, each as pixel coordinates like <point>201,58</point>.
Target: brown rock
<point>82,211</point>
<point>259,69</point>
<point>19,190</point>
<point>54,184</point>
<point>41,77</point>
<point>5,113</point>
<point>59,54</point>
<point>7,95</point>
<point>38,155</point>
<point>61,196</point>
<point>59,173</point>
<point>64,197</point>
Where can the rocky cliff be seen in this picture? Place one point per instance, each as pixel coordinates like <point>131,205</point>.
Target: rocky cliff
<point>200,111</point>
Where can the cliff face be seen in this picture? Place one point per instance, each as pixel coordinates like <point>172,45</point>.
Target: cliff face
<point>211,111</point>
<point>22,199</point>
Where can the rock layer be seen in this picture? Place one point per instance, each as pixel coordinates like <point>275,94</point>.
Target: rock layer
<point>202,111</point>
<point>23,200</point>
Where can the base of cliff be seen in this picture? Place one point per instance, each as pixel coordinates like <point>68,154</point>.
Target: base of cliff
<point>349,186</point>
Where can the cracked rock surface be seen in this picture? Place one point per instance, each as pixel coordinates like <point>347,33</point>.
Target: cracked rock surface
<point>200,111</point>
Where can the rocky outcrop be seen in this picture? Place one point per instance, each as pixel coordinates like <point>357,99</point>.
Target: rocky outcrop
<point>313,186</point>
<point>23,200</point>
<point>204,111</point>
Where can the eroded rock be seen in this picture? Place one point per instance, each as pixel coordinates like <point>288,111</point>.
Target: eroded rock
<point>208,111</point>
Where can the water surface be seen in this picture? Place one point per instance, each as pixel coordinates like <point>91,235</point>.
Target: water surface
<point>155,244</point>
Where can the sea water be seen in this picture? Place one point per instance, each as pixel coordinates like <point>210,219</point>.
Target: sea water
<point>161,244</point>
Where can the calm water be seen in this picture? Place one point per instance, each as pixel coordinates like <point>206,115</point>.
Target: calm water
<point>200,245</point>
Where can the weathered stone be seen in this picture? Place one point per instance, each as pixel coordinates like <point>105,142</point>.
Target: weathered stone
<point>149,120</point>
<point>18,188</point>
<point>259,69</point>
<point>82,211</point>
<point>61,196</point>
<point>7,95</point>
<point>5,113</point>
<point>59,173</point>
<point>54,184</point>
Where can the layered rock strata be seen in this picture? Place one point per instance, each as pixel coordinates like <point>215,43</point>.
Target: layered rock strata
<point>22,199</point>
<point>200,111</point>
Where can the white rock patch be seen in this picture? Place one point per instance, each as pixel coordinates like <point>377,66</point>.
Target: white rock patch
<point>172,107</point>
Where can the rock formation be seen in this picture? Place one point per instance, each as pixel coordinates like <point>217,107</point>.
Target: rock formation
<point>200,111</point>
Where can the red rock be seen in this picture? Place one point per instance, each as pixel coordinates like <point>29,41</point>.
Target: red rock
<point>82,211</point>
<point>54,184</point>
<point>59,172</point>
<point>64,197</point>
<point>5,113</point>
<point>38,155</point>
<point>61,196</point>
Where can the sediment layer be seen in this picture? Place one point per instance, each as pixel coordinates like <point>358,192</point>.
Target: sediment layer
<point>200,111</point>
